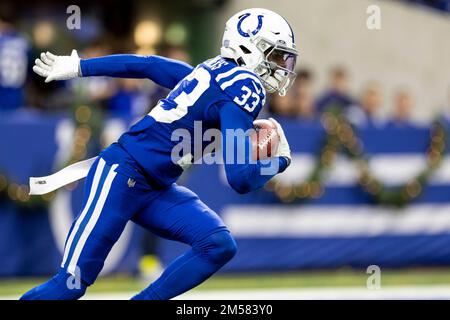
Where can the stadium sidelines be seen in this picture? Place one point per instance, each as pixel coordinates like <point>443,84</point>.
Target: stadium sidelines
<point>432,292</point>
<point>391,293</point>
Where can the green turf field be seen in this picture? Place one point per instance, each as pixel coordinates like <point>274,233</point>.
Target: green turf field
<point>312,279</point>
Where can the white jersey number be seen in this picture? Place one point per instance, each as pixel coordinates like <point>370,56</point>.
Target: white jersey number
<point>183,100</point>
<point>242,101</point>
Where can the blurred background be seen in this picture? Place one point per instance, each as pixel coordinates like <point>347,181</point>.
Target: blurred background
<point>367,120</point>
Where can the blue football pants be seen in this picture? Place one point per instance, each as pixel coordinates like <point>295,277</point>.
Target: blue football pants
<point>113,197</point>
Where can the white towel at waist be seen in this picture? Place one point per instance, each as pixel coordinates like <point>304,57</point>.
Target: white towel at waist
<point>74,172</point>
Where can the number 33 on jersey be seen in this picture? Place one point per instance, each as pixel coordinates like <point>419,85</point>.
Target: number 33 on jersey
<point>199,97</point>
<point>219,80</point>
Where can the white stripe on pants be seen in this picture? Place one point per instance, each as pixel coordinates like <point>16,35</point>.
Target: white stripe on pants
<point>93,219</point>
<point>97,175</point>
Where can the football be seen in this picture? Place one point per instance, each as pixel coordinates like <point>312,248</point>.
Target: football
<point>264,139</point>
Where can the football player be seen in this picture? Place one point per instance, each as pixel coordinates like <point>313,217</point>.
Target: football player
<point>135,178</point>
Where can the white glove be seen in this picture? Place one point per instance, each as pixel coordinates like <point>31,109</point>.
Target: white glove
<point>53,67</point>
<point>283,146</point>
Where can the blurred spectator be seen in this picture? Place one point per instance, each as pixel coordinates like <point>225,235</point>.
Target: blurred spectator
<point>402,109</point>
<point>295,103</point>
<point>337,94</point>
<point>304,78</point>
<point>366,112</point>
<point>95,91</point>
<point>283,106</point>
<point>129,100</point>
<point>304,98</point>
<point>14,64</point>
<point>176,52</point>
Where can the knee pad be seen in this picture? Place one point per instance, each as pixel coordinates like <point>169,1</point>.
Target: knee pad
<point>219,247</point>
<point>61,287</point>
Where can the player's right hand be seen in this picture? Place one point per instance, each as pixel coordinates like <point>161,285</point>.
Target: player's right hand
<point>283,147</point>
<point>53,67</point>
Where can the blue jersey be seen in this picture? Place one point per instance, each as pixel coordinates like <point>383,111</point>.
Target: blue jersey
<point>199,96</point>
<point>13,69</point>
<point>216,94</point>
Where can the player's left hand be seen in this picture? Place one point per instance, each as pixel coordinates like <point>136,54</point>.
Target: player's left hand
<point>53,67</point>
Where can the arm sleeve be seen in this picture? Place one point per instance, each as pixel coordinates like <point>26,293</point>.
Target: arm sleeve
<point>244,176</point>
<point>163,71</point>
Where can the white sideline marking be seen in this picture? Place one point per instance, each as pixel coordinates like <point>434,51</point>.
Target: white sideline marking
<point>347,293</point>
<point>409,293</point>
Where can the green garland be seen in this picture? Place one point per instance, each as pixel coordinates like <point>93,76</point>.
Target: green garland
<point>340,137</point>
<point>85,121</point>
<point>19,194</point>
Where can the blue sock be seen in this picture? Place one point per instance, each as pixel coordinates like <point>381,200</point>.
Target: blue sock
<point>195,266</point>
<point>60,287</point>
